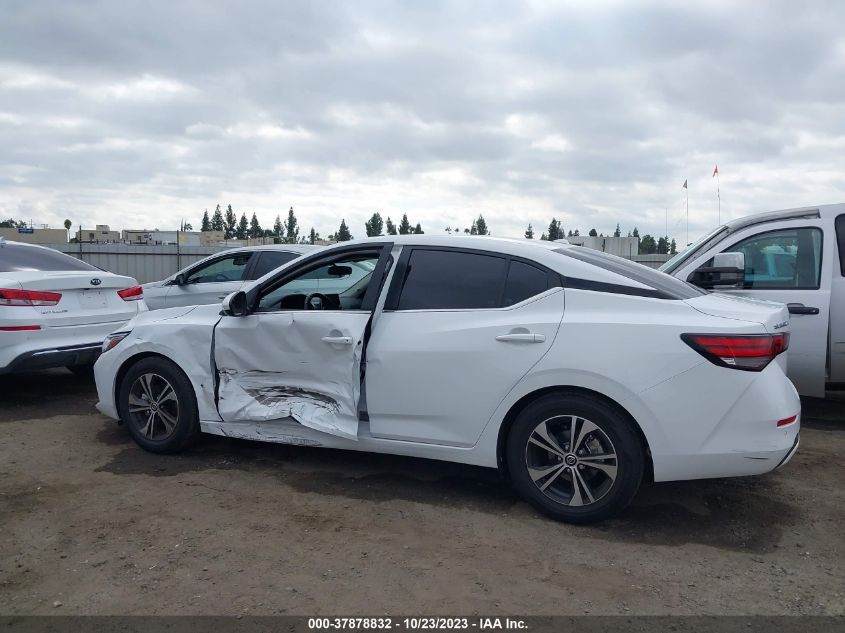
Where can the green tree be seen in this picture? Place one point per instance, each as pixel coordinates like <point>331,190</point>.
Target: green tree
<point>418,229</point>
<point>481,225</point>
<point>576,233</point>
<point>555,231</point>
<point>291,228</point>
<point>343,234</point>
<point>635,232</point>
<point>313,236</point>
<point>205,225</point>
<point>529,232</point>
<point>217,222</point>
<point>648,245</point>
<point>242,228</point>
<point>68,224</point>
<point>255,229</point>
<point>473,230</point>
<point>231,223</point>
<point>673,247</point>
<point>404,225</point>
<point>374,226</point>
<point>391,228</point>
<point>277,227</point>
<point>593,233</point>
<point>617,232</point>
<point>663,246</point>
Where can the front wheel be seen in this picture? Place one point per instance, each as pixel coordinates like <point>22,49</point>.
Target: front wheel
<point>158,406</point>
<point>575,457</point>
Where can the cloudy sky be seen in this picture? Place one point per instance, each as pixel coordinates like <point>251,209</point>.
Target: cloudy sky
<point>139,114</point>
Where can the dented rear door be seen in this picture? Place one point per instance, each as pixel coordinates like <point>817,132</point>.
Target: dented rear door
<point>284,361</point>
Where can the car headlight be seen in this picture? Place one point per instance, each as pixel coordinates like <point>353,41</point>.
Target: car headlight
<point>113,339</point>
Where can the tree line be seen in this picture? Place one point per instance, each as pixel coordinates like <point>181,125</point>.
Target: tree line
<point>287,231</point>
<point>648,244</point>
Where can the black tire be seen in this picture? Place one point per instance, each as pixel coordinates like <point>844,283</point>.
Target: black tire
<point>82,371</point>
<point>161,435</point>
<point>600,429</point>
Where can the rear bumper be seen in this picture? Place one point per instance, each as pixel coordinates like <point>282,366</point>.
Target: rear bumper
<point>85,354</point>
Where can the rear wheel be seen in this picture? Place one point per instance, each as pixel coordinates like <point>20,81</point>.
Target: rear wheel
<point>158,406</point>
<point>575,458</point>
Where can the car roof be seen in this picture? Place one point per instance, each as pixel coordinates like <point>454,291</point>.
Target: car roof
<point>507,245</point>
<point>814,212</point>
<point>293,248</point>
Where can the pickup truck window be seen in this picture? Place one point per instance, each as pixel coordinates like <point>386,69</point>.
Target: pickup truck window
<point>784,259</point>
<point>840,239</point>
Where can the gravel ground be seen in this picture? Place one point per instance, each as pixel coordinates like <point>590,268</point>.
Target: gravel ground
<point>91,524</point>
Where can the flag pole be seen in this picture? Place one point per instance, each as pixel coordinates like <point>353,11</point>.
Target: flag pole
<point>687,190</point>
<point>719,198</point>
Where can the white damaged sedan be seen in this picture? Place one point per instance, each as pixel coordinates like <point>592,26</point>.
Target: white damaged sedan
<point>574,372</point>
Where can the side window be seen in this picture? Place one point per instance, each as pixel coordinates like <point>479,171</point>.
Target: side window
<point>840,240</point>
<point>270,260</point>
<point>229,268</point>
<point>781,260</point>
<point>340,284</point>
<point>524,281</point>
<point>438,279</point>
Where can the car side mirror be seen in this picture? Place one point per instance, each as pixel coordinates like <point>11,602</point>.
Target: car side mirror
<point>181,279</point>
<point>236,304</point>
<point>727,271</point>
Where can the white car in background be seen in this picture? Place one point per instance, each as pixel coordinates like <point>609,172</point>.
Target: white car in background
<point>55,310</point>
<point>212,279</point>
<point>575,372</point>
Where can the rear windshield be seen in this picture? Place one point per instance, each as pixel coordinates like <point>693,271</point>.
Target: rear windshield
<point>665,286</point>
<point>20,257</point>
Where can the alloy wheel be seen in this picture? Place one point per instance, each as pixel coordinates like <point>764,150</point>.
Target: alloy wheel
<point>571,460</point>
<point>153,406</point>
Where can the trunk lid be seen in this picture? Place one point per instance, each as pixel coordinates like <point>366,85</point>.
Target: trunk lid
<point>774,317</point>
<point>83,301</point>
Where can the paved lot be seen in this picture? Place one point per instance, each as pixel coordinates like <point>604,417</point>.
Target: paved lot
<point>89,523</point>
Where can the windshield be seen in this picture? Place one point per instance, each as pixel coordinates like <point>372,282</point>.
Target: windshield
<point>691,250</point>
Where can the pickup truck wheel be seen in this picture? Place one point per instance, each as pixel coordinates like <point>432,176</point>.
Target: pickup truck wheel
<point>575,458</point>
<point>158,406</point>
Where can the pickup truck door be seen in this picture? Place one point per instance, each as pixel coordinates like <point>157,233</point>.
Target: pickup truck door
<point>790,262</point>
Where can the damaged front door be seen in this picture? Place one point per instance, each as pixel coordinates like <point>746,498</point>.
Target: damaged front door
<point>298,353</point>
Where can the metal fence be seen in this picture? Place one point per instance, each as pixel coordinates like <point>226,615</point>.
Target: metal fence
<point>144,263</point>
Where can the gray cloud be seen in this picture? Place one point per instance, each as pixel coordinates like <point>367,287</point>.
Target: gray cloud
<point>145,113</point>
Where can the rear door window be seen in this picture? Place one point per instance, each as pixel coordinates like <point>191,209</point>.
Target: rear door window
<point>524,281</point>
<point>21,257</point>
<point>449,280</point>
<point>840,240</point>
<point>270,260</point>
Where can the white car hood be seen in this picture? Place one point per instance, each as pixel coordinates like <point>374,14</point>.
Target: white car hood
<point>211,312</point>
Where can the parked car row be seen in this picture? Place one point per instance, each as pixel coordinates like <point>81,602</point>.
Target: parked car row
<point>575,373</point>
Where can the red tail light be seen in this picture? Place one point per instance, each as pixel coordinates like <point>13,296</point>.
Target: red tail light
<point>20,328</point>
<point>750,352</point>
<point>135,293</point>
<point>11,297</point>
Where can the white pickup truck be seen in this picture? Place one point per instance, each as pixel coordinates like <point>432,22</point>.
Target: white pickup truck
<point>796,257</point>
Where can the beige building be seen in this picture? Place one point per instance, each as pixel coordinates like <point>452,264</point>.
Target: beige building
<point>34,235</point>
<point>100,233</point>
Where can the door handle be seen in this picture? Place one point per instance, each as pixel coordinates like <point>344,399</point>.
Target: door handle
<point>522,337</point>
<point>800,308</point>
<point>337,340</point>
